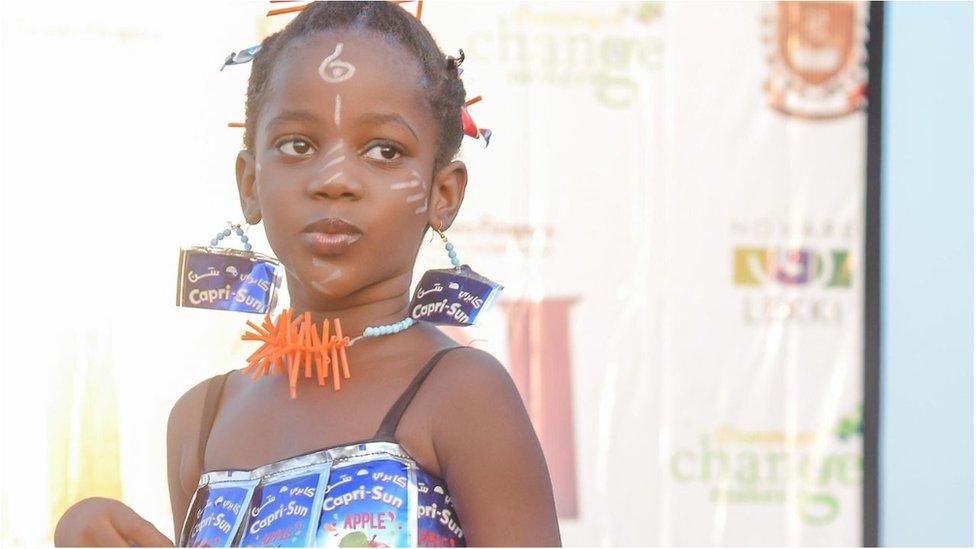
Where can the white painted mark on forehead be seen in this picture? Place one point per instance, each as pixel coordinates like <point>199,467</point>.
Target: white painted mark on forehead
<point>338,108</point>
<point>333,69</point>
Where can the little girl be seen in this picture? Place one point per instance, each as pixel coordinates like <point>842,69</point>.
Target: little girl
<point>352,125</point>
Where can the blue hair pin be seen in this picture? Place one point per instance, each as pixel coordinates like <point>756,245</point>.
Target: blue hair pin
<point>243,56</point>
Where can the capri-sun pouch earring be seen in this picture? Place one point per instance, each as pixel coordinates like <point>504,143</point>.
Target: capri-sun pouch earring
<point>227,279</point>
<point>452,296</point>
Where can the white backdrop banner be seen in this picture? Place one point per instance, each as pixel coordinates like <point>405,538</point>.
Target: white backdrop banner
<point>674,199</point>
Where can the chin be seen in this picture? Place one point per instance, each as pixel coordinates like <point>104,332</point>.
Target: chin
<point>326,290</point>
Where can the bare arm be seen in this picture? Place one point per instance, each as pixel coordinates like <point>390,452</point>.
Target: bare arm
<point>182,431</point>
<point>490,456</point>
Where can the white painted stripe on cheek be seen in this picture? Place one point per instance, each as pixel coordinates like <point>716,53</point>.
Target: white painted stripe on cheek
<point>405,184</point>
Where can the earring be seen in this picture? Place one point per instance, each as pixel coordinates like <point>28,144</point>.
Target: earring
<point>452,296</point>
<point>226,232</point>
<point>227,279</point>
<point>449,247</point>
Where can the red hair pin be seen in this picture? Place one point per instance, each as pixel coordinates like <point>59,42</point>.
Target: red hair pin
<point>467,123</point>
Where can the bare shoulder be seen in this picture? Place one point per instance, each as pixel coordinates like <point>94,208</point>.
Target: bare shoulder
<point>472,385</point>
<point>182,430</point>
<point>490,455</point>
<point>469,373</point>
<point>188,407</point>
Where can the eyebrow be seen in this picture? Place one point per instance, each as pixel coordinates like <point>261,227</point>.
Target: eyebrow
<point>384,117</point>
<point>296,116</point>
<point>367,118</point>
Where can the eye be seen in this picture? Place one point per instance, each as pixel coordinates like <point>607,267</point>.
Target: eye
<point>388,152</point>
<point>295,146</point>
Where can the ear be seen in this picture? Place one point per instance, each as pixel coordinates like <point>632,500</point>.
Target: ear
<point>247,170</point>
<point>447,193</point>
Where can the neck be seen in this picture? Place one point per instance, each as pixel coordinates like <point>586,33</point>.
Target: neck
<point>383,303</point>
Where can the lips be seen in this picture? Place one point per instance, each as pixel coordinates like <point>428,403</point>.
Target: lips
<point>331,235</point>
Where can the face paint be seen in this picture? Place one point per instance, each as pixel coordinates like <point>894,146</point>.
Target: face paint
<point>334,70</point>
<point>335,149</point>
<point>334,161</point>
<point>320,284</point>
<point>422,208</point>
<point>338,107</point>
<point>406,184</point>
<point>410,184</point>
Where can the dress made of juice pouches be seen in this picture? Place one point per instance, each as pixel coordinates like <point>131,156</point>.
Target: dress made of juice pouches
<point>369,494</point>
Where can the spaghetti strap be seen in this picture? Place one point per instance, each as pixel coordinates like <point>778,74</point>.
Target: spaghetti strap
<point>389,425</point>
<point>215,390</point>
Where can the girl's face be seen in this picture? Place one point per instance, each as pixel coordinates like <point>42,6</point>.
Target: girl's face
<point>345,133</point>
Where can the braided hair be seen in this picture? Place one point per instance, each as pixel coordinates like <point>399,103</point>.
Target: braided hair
<point>440,75</point>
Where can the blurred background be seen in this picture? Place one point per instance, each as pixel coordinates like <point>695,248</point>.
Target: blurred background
<point>735,239</point>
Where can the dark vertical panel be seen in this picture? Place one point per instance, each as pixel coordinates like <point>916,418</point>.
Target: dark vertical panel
<point>872,278</point>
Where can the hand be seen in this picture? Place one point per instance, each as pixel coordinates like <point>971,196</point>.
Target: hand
<point>104,522</point>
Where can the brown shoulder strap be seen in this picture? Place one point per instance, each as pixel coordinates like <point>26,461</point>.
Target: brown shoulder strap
<point>389,425</point>
<point>215,390</point>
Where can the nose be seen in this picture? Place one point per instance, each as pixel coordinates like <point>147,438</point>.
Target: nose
<point>334,177</point>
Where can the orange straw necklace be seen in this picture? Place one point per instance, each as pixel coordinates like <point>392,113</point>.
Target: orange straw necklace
<point>291,344</point>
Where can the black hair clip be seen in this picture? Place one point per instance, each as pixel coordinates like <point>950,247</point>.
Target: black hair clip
<point>454,63</point>
<point>243,56</point>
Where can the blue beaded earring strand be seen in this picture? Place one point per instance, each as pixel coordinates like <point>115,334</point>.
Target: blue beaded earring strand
<point>226,232</point>
<point>449,247</point>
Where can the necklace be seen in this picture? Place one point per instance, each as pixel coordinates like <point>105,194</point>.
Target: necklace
<point>291,344</point>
